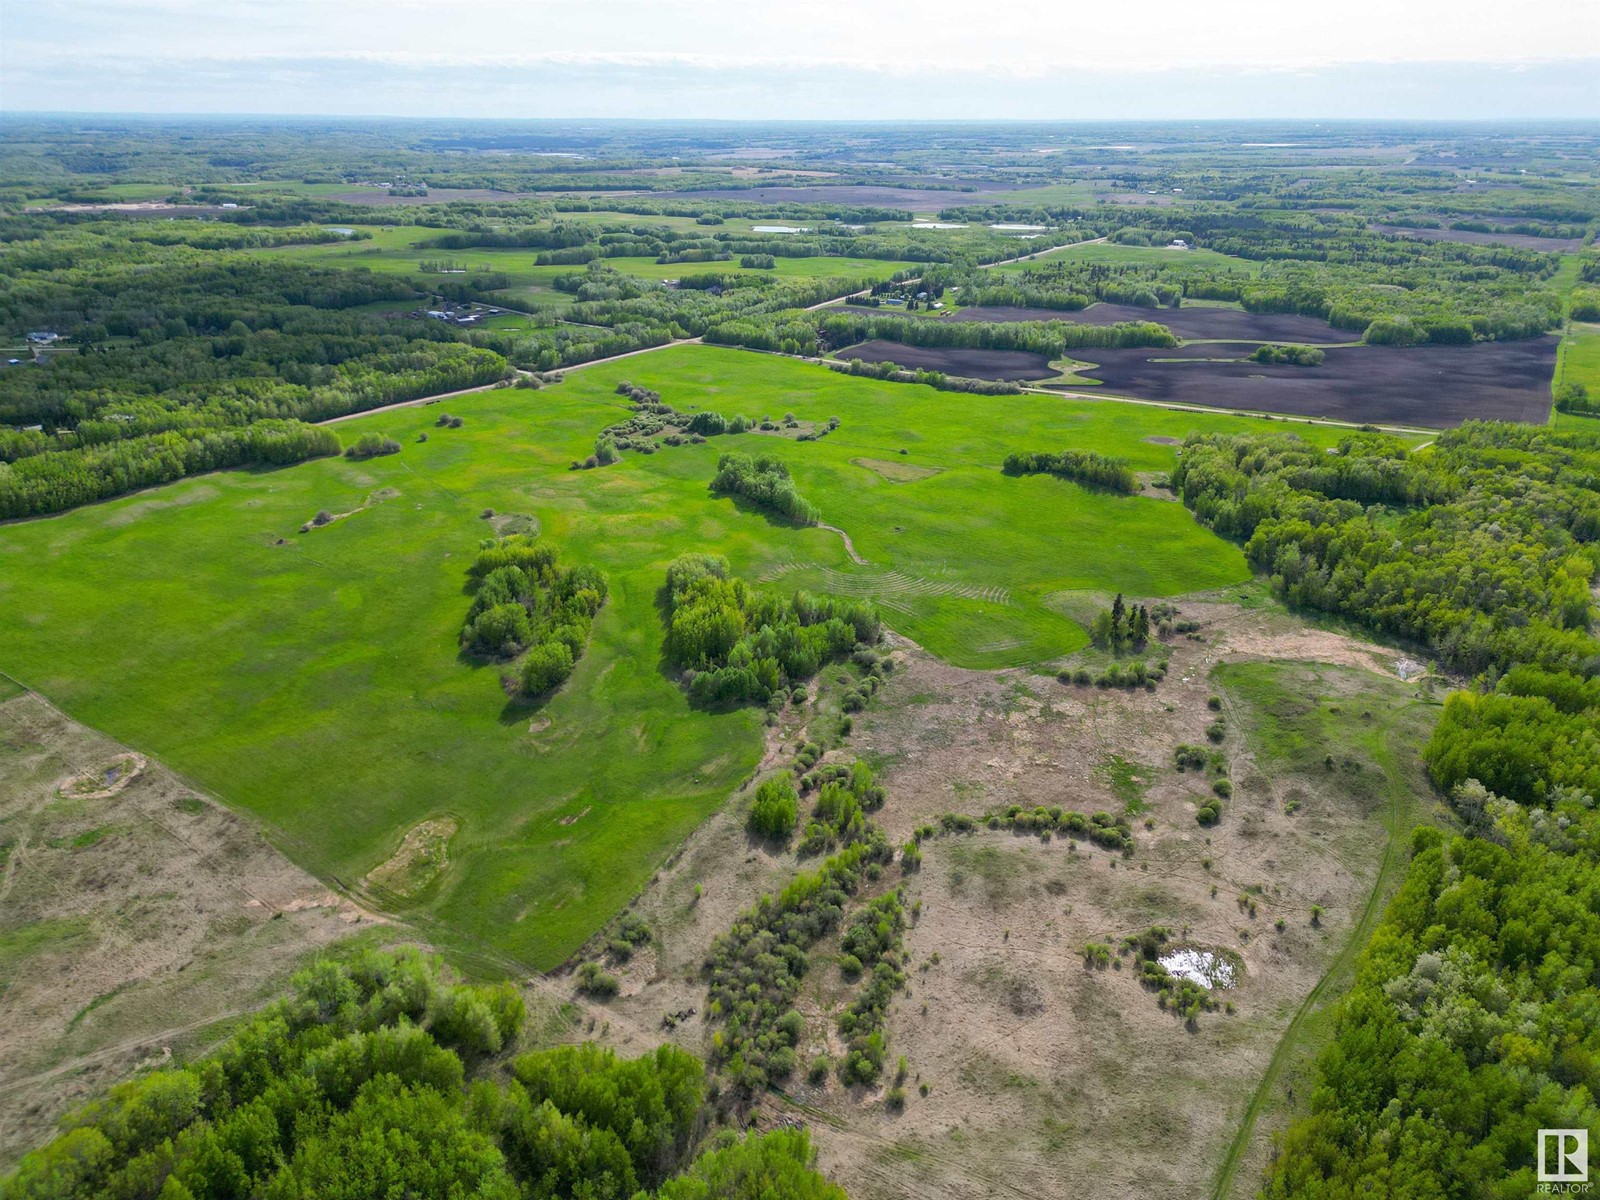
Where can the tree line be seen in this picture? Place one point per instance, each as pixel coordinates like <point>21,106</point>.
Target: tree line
<point>381,1077</point>
<point>1081,466</point>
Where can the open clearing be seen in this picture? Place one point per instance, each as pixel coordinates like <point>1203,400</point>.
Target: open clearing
<point>133,919</point>
<point>313,680</point>
<point>1047,1078</point>
<point>1471,237</point>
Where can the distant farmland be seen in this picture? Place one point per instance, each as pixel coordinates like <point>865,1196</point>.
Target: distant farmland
<point>1432,386</point>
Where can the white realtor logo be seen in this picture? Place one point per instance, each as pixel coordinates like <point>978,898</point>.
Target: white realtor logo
<point>1571,1157</point>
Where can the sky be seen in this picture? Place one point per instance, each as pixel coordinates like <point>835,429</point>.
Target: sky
<point>822,59</point>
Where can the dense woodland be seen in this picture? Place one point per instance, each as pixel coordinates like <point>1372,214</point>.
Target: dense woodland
<point>189,360</point>
<point>380,1077</point>
<point>1473,1021</point>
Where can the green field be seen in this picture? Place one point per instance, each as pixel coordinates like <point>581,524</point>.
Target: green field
<point>316,683</point>
<point>1113,254</point>
<point>1580,357</point>
<point>393,249</point>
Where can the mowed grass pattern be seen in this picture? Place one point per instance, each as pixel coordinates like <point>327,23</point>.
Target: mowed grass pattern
<point>317,684</point>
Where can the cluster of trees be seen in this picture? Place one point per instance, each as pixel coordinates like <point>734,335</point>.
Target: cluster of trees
<point>872,942</point>
<point>934,379</point>
<point>1534,736</point>
<point>371,445</point>
<point>653,419</point>
<point>738,645</point>
<point>526,604</point>
<point>1121,628</point>
<point>775,810</point>
<point>754,971</point>
<point>1050,338</point>
<point>1394,290</point>
<point>763,480</point>
<point>1294,356</point>
<point>1573,397</point>
<point>846,796</point>
<point>1043,821</point>
<point>380,1077</point>
<point>1081,466</point>
<point>56,481</point>
<point>1174,993</point>
<point>1483,548</point>
<point>1471,1025</point>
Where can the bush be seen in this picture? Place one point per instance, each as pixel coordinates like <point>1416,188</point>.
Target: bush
<point>546,667</point>
<point>592,981</point>
<point>1080,466</point>
<point>371,445</point>
<point>775,811</point>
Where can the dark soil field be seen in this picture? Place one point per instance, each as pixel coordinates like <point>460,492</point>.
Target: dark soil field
<point>910,199</point>
<point>1196,321</point>
<point>955,360</point>
<point>1522,241</point>
<point>1431,386</point>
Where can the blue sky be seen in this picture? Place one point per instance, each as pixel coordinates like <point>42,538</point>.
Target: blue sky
<point>823,59</point>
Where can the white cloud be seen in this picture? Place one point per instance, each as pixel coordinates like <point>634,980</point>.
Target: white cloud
<point>878,55</point>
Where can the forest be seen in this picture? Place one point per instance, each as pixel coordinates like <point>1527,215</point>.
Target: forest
<point>380,1076</point>
<point>1472,1023</point>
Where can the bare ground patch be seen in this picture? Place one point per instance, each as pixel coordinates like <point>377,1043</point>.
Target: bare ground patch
<point>133,919</point>
<point>1046,1077</point>
<point>896,472</point>
<point>417,861</point>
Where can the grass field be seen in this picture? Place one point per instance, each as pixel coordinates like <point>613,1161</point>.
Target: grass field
<point>393,249</point>
<point>1113,254</point>
<point>1290,723</point>
<point>316,683</point>
<point>1580,357</point>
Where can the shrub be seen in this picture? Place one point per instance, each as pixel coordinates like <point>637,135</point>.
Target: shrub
<point>593,981</point>
<point>775,811</point>
<point>371,445</point>
<point>546,667</point>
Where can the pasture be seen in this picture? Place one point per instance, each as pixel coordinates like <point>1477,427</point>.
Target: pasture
<point>1115,254</point>
<point>313,679</point>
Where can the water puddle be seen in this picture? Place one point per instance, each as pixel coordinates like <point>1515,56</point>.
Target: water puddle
<point>1200,966</point>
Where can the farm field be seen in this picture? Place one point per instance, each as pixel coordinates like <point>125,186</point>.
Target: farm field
<point>1470,237</point>
<point>1431,386</point>
<point>955,360</point>
<point>315,682</point>
<point>1047,779</point>
<point>1212,322</point>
